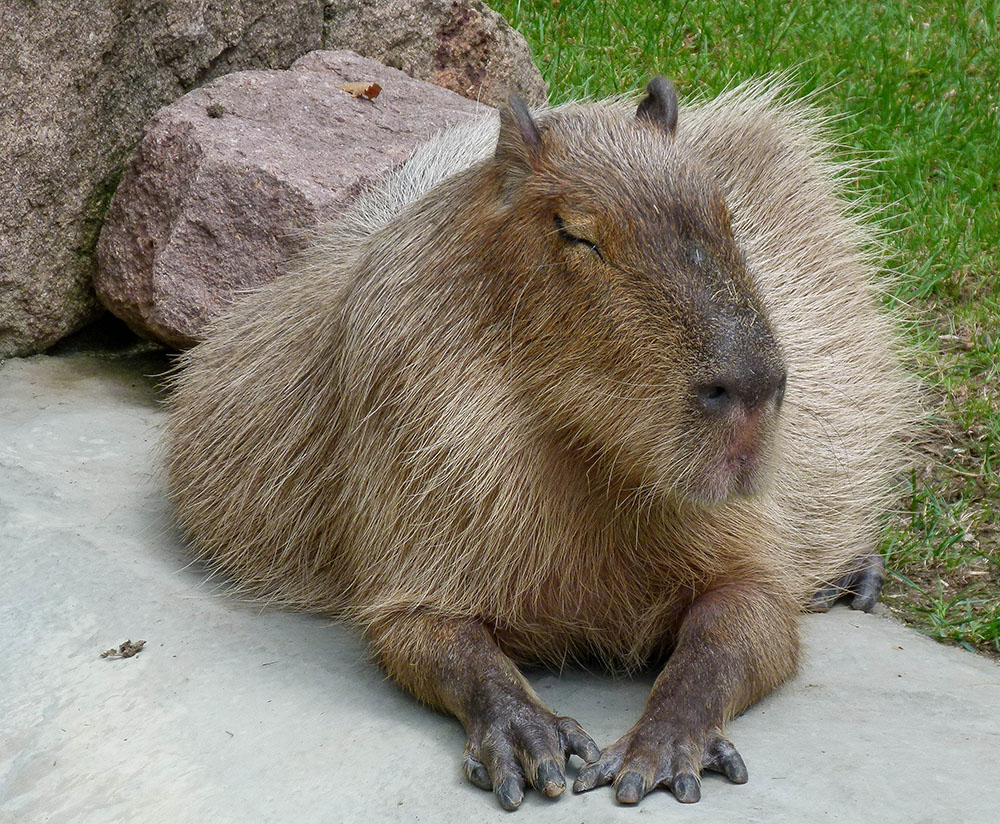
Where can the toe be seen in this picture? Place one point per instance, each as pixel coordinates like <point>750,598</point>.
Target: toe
<point>631,787</point>
<point>686,788</point>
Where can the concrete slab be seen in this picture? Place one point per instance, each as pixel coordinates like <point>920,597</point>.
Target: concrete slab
<point>235,713</point>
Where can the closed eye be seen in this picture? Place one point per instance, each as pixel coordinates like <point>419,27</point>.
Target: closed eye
<point>565,234</point>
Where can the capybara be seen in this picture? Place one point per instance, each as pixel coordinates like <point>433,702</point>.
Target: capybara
<point>592,384</point>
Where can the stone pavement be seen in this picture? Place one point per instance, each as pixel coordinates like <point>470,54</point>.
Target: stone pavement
<point>234,713</point>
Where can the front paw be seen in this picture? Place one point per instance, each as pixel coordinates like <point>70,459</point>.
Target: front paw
<point>521,745</point>
<point>660,755</point>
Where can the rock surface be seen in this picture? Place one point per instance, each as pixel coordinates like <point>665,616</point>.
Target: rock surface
<point>462,45</point>
<point>226,179</point>
<point>79,82</point>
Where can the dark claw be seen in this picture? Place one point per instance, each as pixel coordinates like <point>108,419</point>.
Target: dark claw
<point>735,770</point>
<point>824,598</point>
<point>726,760</point>
<point>686,788</point>
<point>578,742</point>
<point>631,788</point>
<point>586,779</point>
<point>549,779</point>
<point>596,775</point>
<point>864,603</point>
<point>510,792</point>
<point>868,584</point>
<point>589,752</point>
<point>476,773</point>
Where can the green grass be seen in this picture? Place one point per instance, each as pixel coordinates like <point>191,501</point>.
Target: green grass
<point>916,86</point>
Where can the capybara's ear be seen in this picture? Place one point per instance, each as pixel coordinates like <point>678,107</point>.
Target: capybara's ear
<point>520,141</point>
<point>659,106</point>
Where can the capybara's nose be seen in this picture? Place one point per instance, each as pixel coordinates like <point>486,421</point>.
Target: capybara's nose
<point>751,387</point>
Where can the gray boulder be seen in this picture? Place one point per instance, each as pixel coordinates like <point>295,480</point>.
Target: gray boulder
<point>462,45</point>
<point>79,80</point>
<point>225,180</point>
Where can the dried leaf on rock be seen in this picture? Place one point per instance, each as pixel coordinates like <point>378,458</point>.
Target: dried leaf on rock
<point>369,91</point>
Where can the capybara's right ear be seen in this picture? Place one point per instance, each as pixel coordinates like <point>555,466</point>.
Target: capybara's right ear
<point>520,141</point>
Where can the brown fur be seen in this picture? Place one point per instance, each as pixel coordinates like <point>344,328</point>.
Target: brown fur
<point>458,416</point>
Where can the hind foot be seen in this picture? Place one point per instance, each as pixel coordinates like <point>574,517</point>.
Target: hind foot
<point>863,585</point>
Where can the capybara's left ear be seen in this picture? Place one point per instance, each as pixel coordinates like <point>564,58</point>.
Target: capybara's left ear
<point>520,141</point>
<point>659,106</point>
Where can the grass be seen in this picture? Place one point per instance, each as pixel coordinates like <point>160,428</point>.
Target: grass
<point>916,85</point>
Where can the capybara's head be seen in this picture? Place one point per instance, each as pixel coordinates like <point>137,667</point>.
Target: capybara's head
<point>663,364</point>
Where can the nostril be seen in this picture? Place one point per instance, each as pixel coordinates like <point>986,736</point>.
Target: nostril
<point>779,393</point>
<point>714,397</point>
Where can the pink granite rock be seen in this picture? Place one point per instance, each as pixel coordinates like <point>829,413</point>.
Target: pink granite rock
<point>225,179</point>
<point>77,82</point>
<point>462,45</point>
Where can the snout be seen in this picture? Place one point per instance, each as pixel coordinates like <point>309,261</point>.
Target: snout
<point>737,396</point>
